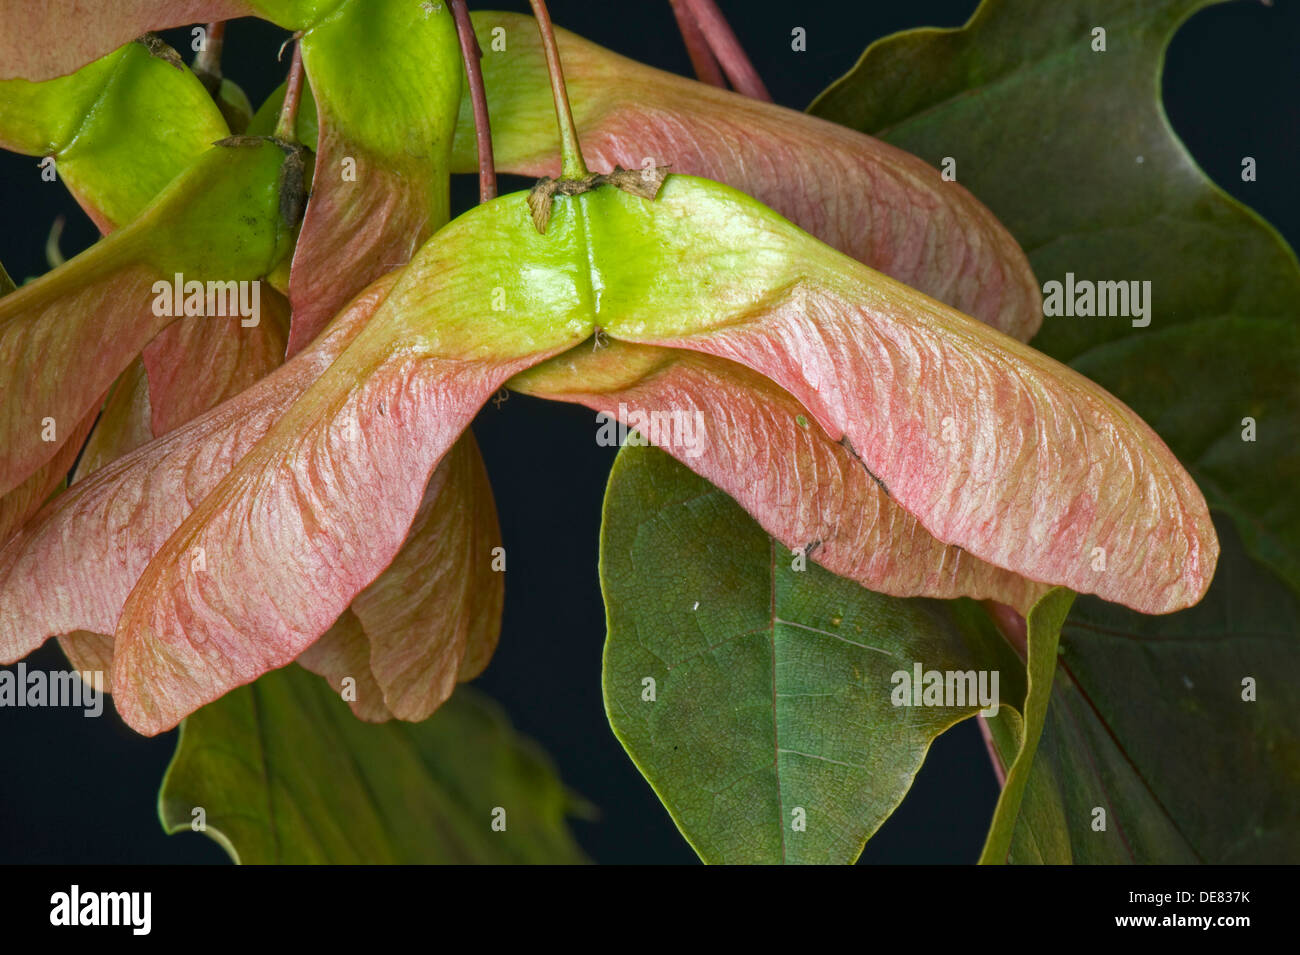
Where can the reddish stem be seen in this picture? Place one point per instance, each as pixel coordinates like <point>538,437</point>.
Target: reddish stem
<point>286,130</point>
<point>1013,627</point>
<point>472,53</point>
<point>207,63</point>
<point>744,78</point>
<point>703,61</point>
<point>996,760</point>
<point>1011,624</point>
<point>571,152</point>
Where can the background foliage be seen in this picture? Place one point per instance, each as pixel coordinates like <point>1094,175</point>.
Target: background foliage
<point>1223,83</point>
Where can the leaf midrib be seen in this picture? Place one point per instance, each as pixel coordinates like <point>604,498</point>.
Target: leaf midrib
<point>776,738</point>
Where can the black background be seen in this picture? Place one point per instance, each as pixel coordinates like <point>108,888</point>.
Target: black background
<point>76,790</point>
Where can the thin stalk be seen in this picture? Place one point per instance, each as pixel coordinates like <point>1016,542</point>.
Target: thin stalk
<point>726,47</point>
<point>286,129</point>
<point>207,63</point>
<point>53,254</point>
<point>992,749</point>
<point>1015,630</point>
<point>471,53</point>
<point>1011,625</point>
<point>570,150</point>
<point>703,61</point>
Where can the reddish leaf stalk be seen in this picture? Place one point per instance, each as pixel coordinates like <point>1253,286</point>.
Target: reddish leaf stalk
<point>1014,628</point>
<point>726,47</point>
<point>471,53</point>
<point>703,61</point>
<point>571,151</point>
<point>286,130</point>
<point>996,760</point>
<point>207,63</point>
<point>1011,625</point>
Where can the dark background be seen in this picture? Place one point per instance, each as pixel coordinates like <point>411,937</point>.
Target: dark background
<point>76,790</point>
